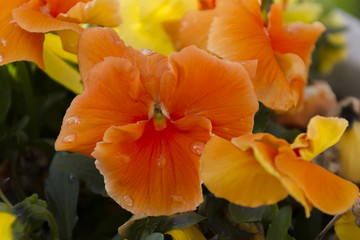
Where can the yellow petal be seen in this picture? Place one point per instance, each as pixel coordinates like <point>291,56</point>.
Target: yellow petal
<point>142,26</point>
<point>349,152</point>
<point>57,67</point>
<point>99,12</point>
<point>306,12</point>
<point>189,233</point>
<point>322,133</point>
<point>345,227</point>
<point>6,219</point>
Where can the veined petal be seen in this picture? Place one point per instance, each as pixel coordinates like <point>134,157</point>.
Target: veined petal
<point>326,191</point>
<point>188,233</point>
<point>38,22</point>
<point>237,176</point>
<point>345,227</point>
<point>61,6</point>
<point>113,96</point>
<point>298,38</point>
<point>154,172</point>
<point>100,12</point>
<point>202,85</point>
<point>95,44</point>
<point>6,219</point>
<point>279,80</point>
<point>16,44</point>
<point>322,133</point>
<point>191,29</point>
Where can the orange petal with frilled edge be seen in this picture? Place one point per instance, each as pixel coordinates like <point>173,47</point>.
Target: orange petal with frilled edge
<point>237,176</point>
<point>17,44</point>
<point>61,6</point>
<point>265,149</point>
<point>322,133</point>
<point>113,96</point>
<point>36,21</point>
<point>245,38</point>
<point>298,38</point>
<point>191,29</point>
<point>154,172</point>
<point>97,43</point>
<point>203,85</point>
<point>100,12</point>
<point>326,191</point>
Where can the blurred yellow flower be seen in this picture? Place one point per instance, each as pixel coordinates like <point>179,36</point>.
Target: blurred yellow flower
<point>142,26</point>
<point>349,152</point>
<point>346,228</point>
<point>6,219</point>
<point>189,233</point>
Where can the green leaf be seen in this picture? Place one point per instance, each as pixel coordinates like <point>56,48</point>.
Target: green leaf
<point>30,215</point>
<point>155,236</point>
<point>61,190</point>
<point>183,220</point>
<point>280,224</point>
<point>242,214</point>
<point>261,118</point>
<point>5,99</point>
<point>83,168</point>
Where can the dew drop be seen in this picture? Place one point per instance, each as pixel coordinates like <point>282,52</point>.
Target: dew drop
<point>161,161</point>
<point>128,200</point>
<point>1,57</point>
<point>146,52</point>
<point>3,41</point>
<point>72,121</point>
<point>69,138</point>
<point>178,198</point>
<point>197,147</point>
<point>12,21</point>
<point>122,157</point>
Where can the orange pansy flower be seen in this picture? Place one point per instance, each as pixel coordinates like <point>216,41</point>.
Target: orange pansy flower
<point>261,169</point>
<point>149,116</point>
<point>24,22</point>
<point>238,32</point>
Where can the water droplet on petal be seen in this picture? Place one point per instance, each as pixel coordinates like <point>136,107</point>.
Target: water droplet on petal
<point>72,121</point>
<point>122,157</point>
<point>197,147</point>
<point>146,52</point>
<point>3,41</point>
<point>69,138</point>
<point>161,161</point>
<point>178,198</point>
<point>1,57</point>
<point>11,21</point>
<point>128,200</point>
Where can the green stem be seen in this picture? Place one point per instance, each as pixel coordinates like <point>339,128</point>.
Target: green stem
<point>4,198</point>
<point>24,80</point>
<point>328,227</point>
<point>274,209</point>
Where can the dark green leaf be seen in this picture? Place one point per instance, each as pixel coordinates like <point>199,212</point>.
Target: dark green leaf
<point>242,214</point>
<point>155,236</point>
<point>5,99</point>
<point>261,119</point>
<point>83,168</point>
<point>278,228</point>
<point>183,220</point>
<point>61,190</point>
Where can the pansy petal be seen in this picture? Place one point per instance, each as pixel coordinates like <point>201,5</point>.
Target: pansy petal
<point>61,6</point>
<point>100,12</point>
<point>246,38</point>
<point>38,22</point>
<point>154,172</point>
<point>113,96</point>
<point>188,233</point>
<point>95,44</point>
<point>191,29</point>
<point>326,191</point>
<point>203,85</point>
<point>345,227</point>
<point>237,176</point>
<point>322,133</point>
<point>17,44</point>
<point>6,219</point>
<point>298,38</point>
